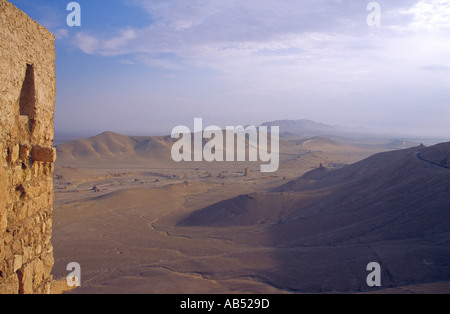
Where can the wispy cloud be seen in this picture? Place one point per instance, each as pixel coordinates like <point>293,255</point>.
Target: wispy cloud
<point>61,33</point>
<point>230,28</point>
<point>436,68</point>
<point>113,44</point>
<point>157,61</point>
<point>126,62</point>
<point>87,43</point>
<point>116,45</point>
<point>431,15</point>
<point>282,41</point>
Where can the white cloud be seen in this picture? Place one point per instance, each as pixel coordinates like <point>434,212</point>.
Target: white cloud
<point>431,15</point>
<point>61,33</point>
<point>235,36</point>
<point>179,25</point>
<point>158,62</point>
<point>108,47</point>
<point>436,68</point>
<point>113,44</point>
<point>126,62</point>
<point>86,43</point>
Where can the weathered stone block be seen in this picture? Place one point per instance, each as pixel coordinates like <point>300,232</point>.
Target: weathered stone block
<point>48,261</point>
<point>23,152</point>
<point>3,222</point>
<point>13,154</point>
<point>17,175</point>
<point>38,273</point>
<point>44,154</point>
<point>25,275</point>
<point>3,197</point>
<point>18,262</point>
<point>27,254</point>
<point>10,286</point>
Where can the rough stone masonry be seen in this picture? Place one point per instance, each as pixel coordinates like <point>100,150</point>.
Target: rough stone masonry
<point>27,100</point>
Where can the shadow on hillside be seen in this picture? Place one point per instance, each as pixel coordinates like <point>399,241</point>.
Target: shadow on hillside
<point>325,228</point>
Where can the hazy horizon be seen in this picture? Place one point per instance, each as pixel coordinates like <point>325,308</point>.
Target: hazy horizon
<point>145,66</point>
<point>371,135</point>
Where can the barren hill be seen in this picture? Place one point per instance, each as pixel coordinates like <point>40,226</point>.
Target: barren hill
<point>308,128</point>
<point>108,148</point>
<point>400,144</point>
<point>392,208</point>
<point>121,151</point>
<point>318,142</point>
<point>439,155</point>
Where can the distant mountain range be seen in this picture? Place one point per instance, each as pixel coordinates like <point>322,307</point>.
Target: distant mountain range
<point>113,148</point>
<point>308,128</point>
<point>295,129</point>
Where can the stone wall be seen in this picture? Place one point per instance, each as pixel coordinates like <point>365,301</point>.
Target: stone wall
<point>27,100</point>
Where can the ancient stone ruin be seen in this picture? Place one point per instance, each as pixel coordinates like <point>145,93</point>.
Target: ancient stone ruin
<point>27,100</point>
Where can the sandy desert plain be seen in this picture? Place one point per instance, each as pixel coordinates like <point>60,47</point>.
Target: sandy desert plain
<point>138,222</point>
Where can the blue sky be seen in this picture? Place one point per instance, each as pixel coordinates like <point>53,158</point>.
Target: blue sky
<point>146,66</point>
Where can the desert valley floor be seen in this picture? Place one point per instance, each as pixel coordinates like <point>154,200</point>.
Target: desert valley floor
<point>137,222</point>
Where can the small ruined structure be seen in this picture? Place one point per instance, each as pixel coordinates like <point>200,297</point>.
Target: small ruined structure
<point>95,189</point>
<point>27,100</point>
